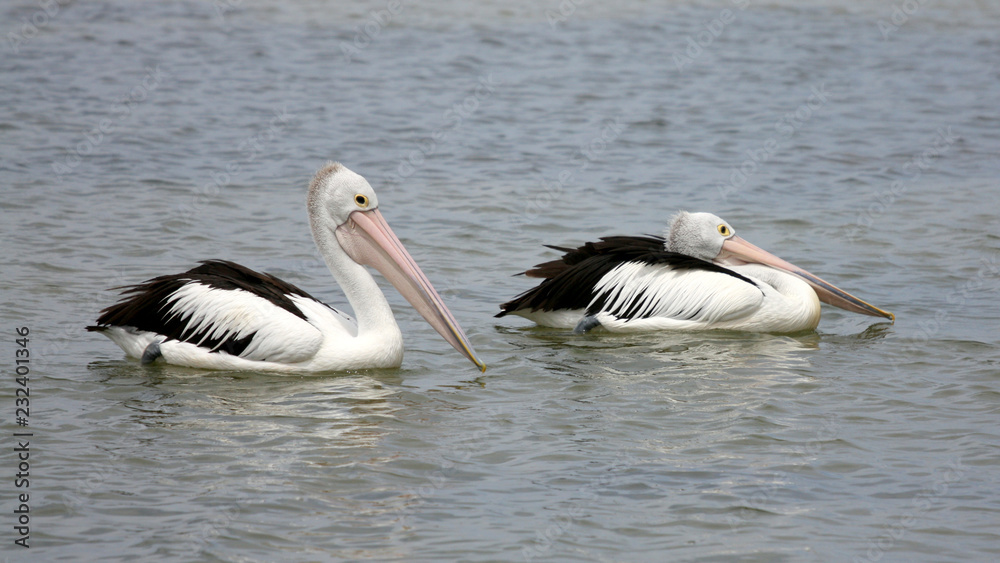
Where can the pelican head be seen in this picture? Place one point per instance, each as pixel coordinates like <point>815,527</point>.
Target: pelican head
<point>345,203</point>
<point>710,238</point>
<point>336,192</point>
<point>697,234</point>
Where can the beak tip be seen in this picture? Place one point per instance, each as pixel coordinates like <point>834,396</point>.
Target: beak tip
<point>478,362</point>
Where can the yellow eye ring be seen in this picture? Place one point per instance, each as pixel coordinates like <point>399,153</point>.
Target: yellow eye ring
<point>361,200</point>
<point>724,230</point>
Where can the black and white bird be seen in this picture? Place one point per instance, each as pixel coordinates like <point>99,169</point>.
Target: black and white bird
<point>222,315</point>
<point>699,276</point>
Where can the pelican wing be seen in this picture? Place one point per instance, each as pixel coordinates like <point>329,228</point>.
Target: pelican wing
<point>226,308</point>
<point>634,277</point>
<point>635,291</point>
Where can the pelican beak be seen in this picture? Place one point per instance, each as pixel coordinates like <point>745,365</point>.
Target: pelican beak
<point>735,250</point>
<point>367,239</point>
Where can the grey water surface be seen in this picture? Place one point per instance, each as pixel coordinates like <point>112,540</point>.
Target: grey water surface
<point>860,141</point>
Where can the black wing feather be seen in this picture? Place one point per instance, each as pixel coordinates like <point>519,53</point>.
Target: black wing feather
<point>569,281</point>
<point>144,306</point>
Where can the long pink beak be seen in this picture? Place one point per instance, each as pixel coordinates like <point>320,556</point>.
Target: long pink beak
<point>367,239</point>
<point>741,250</point>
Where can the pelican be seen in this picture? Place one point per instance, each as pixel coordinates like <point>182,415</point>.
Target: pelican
<point>221,315</point>
<point>698,276</point>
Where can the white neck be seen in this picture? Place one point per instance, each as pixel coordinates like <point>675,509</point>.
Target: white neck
<point>369,303</point>
<point>800,309</point>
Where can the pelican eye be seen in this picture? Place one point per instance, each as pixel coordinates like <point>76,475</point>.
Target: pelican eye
<point>361,200</point>
<point>724,230</point>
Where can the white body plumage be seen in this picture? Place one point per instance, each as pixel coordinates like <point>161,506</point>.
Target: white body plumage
<point>700,276</point>
<point>221,315</point>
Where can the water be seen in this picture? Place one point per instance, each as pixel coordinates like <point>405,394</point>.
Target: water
<point>488,130</point>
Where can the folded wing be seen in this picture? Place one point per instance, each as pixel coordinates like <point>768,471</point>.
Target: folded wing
<point>634,278</point>
<point>223,307</point>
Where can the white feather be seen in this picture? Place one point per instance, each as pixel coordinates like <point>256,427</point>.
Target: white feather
<point>659,291</point>
<point>560,318</point>
<point>278,335</point>
<point>324,340</point>
<point>282,341</point>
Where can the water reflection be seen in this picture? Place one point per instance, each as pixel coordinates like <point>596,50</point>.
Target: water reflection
<point>660,353</point>
<point>232,441</point>
<point>248,408</point>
